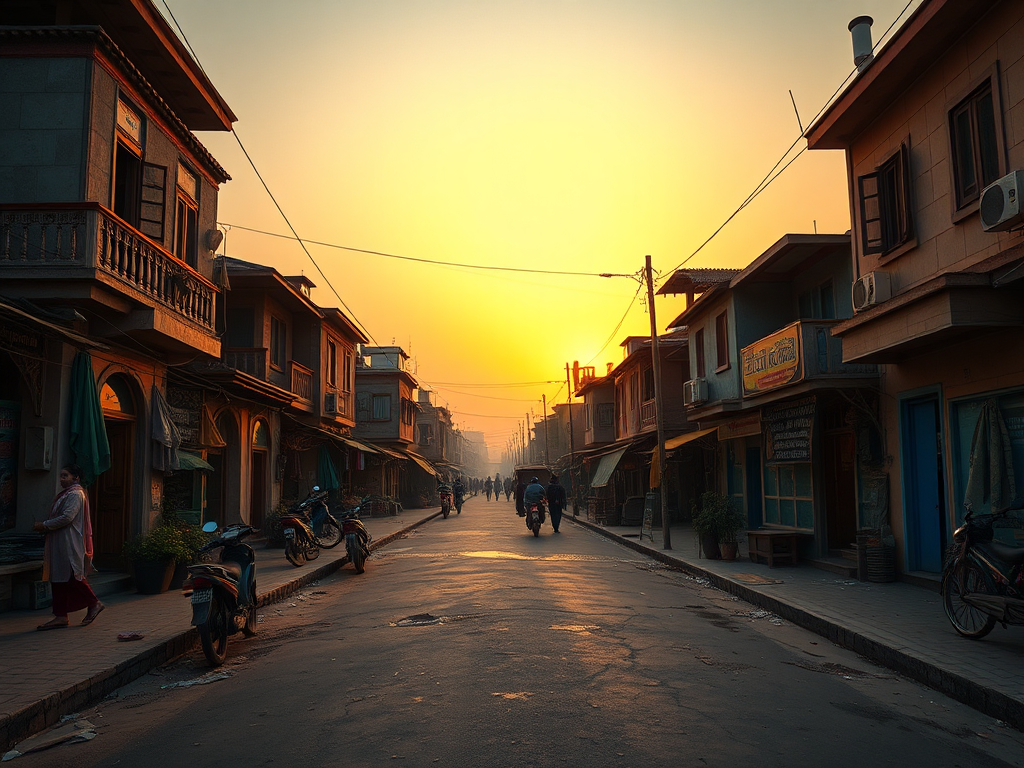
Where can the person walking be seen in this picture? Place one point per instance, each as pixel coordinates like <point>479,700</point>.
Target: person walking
<point>67,556</point>
<point>520,490</point>
<point>497,486</point>
<point>508,488</point>
<point>488,484</point>
<point>556,501</point>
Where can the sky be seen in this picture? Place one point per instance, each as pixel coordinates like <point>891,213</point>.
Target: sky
<point>550,135</point>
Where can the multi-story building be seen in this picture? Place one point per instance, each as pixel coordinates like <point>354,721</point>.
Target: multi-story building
<point>933,131</point>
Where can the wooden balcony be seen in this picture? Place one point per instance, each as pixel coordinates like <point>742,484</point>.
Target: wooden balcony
<point>301,381</point>
<point>648,414</point>
<point>77,242</point>
<point>251,360</point>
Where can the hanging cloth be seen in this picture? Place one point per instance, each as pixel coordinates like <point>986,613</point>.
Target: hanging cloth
<point>88,431</point>
<point>209,435</point>
<point>326,473</point>
<point>990,479</point>
<point>166,437</point>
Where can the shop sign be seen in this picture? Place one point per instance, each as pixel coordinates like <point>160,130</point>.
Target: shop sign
<point>772,362</point>
<point>788,427</point>
<point>745,426</point>
<point>186,407</point>
<point>129,122</point>
<point>19,342</point>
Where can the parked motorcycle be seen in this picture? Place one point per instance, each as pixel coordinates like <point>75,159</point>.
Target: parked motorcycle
<point>534,516</point>
<point>983,579</point>
<point>300,525</point>
<point>357,538</point>
<point>445,492</point>
<point>223,594</point>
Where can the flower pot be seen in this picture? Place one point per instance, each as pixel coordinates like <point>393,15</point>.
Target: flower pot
<point>178,575</point>
<point>709,543</point>
<point>728,549</point>
<point>153,576</point>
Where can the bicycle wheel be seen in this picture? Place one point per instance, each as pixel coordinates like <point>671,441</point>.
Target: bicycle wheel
<point>967,620</point>
<point>328,534</point>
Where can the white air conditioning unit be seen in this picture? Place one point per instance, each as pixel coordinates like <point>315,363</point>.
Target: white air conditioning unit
<point>1000,203</point>
<point>871,289</point>
<point>331,403</point>
<point>695,392</point>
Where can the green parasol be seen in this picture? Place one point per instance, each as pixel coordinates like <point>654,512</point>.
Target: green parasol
<point>326,472</point>
<point>88,432</point>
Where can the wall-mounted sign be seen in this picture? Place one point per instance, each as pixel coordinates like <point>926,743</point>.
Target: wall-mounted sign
<point>744,426</point>
<point>129,122</point>
<point>772,362</point>
<point>186,407</point>
<point>788,429</point>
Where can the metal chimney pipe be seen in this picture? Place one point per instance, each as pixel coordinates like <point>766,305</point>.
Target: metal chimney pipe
<point>860,28</point>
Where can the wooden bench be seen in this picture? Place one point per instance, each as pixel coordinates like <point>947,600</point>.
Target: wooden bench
<point>16,583</point>
<point>773,545</point>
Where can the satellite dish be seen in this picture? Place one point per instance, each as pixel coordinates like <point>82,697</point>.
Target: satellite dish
<point>214,237</point>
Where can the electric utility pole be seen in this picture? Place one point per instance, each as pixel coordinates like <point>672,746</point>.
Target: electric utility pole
<point>659,411</point>
<point>544,405</point>
<point>572,449</point>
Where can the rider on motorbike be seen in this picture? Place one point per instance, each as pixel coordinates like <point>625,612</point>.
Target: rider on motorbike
<point>534,494</point>
<point>458,491</point>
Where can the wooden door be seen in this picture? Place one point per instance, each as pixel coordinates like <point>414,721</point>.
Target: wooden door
<point>840,454</point>
<point>111,500</point>
<point>258,488</point>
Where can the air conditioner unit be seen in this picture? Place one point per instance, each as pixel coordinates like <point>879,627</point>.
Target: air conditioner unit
<point>1000,203</point>
<point>695,392</point>
<point>871,289</point>
<point>331,403</point>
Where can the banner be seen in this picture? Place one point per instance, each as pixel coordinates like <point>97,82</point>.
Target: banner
<point>788,430</point>
<point>772,362</point>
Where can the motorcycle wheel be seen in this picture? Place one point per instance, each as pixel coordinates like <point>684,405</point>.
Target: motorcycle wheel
<point>355,554</point>
<point>967,620</point>
<point>294,554</point>
<point>312,551</point>
<point>249,629</point>
<point>444,511</point>
<point>535,528</point>
<point>329,535</point>
<point>213,633</point>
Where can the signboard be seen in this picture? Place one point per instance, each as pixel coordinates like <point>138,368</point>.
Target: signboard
<point>129,122</point>
<point>788,429</point>
<point>745,426</point>
<point>772,362</point>
<point>647,527</point>
<point>186,410</point>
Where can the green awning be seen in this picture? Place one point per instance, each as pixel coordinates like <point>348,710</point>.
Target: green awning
<point>188,460</point>
<point>604,470</point>
<point>88,432</point>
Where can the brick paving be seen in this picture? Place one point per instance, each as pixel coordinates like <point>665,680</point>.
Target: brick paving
<point>48,674</point>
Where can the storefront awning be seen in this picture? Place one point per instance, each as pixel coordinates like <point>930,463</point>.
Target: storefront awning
<point>423,463</point>
<point>689,437</point>
<point>354,443</point>
<point>604,470</point>
<point>188,461</point>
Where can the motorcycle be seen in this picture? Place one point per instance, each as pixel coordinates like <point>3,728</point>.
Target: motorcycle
<point>445,492</point>
<point>309,526</point>
<point>223,594</point>
<point>983,579</point>
<point>534,516</point>
<point>357,538</point>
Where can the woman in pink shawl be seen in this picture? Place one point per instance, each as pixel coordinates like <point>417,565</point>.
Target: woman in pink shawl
<point>68,553</point>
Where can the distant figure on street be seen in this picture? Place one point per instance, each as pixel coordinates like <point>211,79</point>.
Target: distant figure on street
<point>488,485</point>
<point>534,494</point>
<point>556,501</point>
<point>497,486</point>
<point>509,487</point>
<point>520,490</point>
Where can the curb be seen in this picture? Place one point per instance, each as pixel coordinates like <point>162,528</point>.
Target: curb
<point>966,691</point>
<point>46,712</point>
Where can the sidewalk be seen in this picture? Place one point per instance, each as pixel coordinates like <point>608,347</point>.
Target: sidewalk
<point>898,625</point>
<point>49,674</point>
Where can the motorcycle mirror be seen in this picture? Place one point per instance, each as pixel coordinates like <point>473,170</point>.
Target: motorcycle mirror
<point>316,487</point>
<point>210,527</point>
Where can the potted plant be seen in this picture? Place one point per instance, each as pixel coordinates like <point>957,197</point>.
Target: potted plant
<point>717,521</point>
<point>155,554</point>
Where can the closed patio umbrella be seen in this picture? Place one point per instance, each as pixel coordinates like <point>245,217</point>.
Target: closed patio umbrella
<point>88,432</point>
<point>326,472</point>
<point>991,465</point>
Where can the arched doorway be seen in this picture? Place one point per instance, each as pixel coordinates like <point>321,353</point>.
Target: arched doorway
<point>112,496</point>
<point>222,489</point>
<point>259,469</point>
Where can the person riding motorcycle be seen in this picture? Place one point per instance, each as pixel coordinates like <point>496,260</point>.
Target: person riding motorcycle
<point>458,492</point>
<point>534,494</point>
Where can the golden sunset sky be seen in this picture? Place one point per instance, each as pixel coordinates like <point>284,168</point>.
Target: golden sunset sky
<point>564,135</point>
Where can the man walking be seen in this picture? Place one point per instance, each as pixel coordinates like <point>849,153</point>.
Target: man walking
<point>556,501</point>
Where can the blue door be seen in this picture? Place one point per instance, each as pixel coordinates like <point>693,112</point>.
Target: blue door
<point>754,514</point>
<point>923,485</point>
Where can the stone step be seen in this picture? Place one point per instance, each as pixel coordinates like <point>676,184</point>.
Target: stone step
<point>837,565</point>
<point>107,583</point>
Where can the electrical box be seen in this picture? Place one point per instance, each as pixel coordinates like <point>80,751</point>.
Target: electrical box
<point>38,447</point>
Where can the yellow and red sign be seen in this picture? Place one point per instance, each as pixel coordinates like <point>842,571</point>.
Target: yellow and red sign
<point>772,362</point>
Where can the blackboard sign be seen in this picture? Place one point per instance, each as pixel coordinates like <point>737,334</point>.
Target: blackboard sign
<point>788,428</point>
<point>647,527</point>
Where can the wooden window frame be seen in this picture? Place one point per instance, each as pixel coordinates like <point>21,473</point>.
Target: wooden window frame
<point>380,397</point>
<point>186,218</point>
<point>332,363</point>
<point>963,206</point>
<point>885,205</point>
<point>278,343</point>
<point>722,341</point>
<point>701,369</point>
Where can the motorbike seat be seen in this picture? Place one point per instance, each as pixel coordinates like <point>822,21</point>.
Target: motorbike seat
<point>229,569</point>
<point>1004,552</point>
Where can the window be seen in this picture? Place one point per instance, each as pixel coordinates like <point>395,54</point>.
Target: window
<point>426,434</point>
<point>698,349</point>
<point>127,192</point>
<point>648,384</point>
<point>885,204</point>
<point>349,373</point>
<point>606,414</point>
<point>186,221</point>
<point>381,408</point>
<point>332,363</point>
<point>721,342</point>
<point>788,496</point>
<point>278,354</point>
<point>819,303</point>
<point>974,144</point>
<point>408,412</point>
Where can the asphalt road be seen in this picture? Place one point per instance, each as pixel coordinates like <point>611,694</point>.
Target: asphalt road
<point>471,643</point>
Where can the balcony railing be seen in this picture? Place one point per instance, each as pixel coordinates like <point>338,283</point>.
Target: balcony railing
<point>86,235</point>
<point>251,360</point>
<point>648,414</point>
<point>302,381</point>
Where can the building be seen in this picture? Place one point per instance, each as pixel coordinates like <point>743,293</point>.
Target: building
<point>928,126</point>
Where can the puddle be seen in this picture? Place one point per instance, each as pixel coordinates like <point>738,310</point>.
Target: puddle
<point>428,620</point>
<point>521,695</point>
<point>495,555</point>
<point>574,627</point>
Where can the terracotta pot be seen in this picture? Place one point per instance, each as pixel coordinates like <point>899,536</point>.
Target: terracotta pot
<point>153,577</point>
<point>729,549</point>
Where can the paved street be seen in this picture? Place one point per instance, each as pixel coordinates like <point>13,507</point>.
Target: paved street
<point>469,642</point>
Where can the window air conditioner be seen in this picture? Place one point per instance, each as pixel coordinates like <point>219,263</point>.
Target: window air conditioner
<point>871,289</point>
<point>695,392</point>
<point>1000,203</point>
<point>331,403</point>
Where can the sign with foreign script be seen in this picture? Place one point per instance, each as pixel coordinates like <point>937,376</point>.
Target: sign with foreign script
<point>788,430</point>
<point>743,426</point>
<point>772,362</point>
<point>129,122</point>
